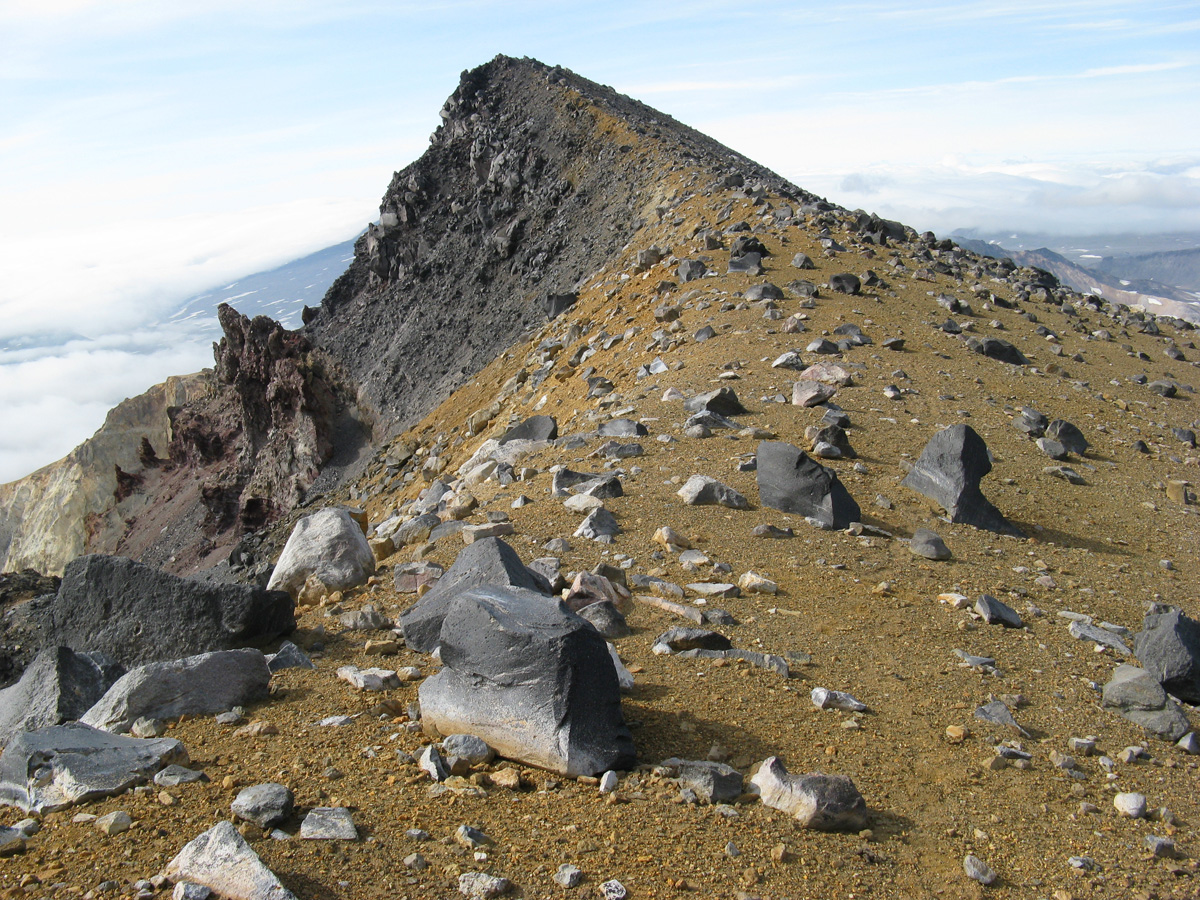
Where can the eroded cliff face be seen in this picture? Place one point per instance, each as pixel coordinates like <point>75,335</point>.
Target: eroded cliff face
<point>177,475</point>
<point>44,517</point>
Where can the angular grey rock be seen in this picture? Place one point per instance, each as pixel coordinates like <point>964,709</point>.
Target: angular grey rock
<point>949,471</point>
<point>928,544</point>
<point>430,761</point>
<point>1052,448</point>
<point>1136,695</point>
<point>709,420</point>
<point>1163,388</point>
<point>764,291</point>
<point>723,401</point>
<point>600,525</point>
<point>12,841</point>
<point>489,561</point>
<point>711,782</point>
<point>366,619</point>
<point>221,859</point>
<point>1032,422</point>
<point>328,823</point>
<point>801,261</point>
<point>416,530</point>
<point>288,656</point>
<point>263,804</point>
<point>175,775</point>
<point>470,747</point>
<point>1068,435</point>
<point>690,270</point>
<point>568,876</point>
<point>792,482</point>
<point>1102,636</point>
<point>535,428</point>
<point>531,679</point>
<point>750,263</point>
<point>196,686</point>
<point>679,638</point>
<point>622,428</point>
<point>602,487</point>
<point>818,801</point>
<point>135,613</point>
<point>51,768</point>
<point>995,348</point>
<point>700,490</point>
<point>328,544</point>
<point>606,619</point>
<point>704,334</point>
<point>481,885</point>
<point>845,283</point>
<point>995,612</point>
<point>59,686</point>
<point>997,713</point>
<point>978,870</point>
<point>1168,647</point>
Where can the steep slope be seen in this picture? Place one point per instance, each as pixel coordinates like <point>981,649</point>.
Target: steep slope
<point>534,180</point>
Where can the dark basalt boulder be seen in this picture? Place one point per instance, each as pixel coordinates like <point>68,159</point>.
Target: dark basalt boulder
<point>995,348</point>
<point>535,428</point>
<point>845,283</point>
<point>1168,647</point>
<point>791,481</point>
<point>487,562</point>
<point>949,471</point>
<point>723,401</point>
<point>136,614</point>
<point>532,679</point>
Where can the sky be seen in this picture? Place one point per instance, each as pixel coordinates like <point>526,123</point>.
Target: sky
<point>150,151</point>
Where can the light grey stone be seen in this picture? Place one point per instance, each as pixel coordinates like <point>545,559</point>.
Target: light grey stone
<point>818,801</point>
<point>60,685</point>
<point>220,859</point>
<point>264,804</point>
<point>328,823</point>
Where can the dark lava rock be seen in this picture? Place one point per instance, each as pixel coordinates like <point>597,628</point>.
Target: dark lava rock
<point>690,270</point>
<point>791,481</point>
<point>1068,435</point>
<point>995,348</point>
<point>1032,422</point>
<point>1136,695</point>
<point>535,428</point>
<point>995,612</point>
<point>929,544</point>
<point>1163,388</point>
<point>136,614</point>
<point>679,639</point>
<point>845,283</point>
<point>606,619</point>
<point>723,401</point>
<point>532,679</point>
<point>802,261</point>
<point>486,562</point>
<point>1168,647</point>
<point>751,263</point>
<point>949,472</point>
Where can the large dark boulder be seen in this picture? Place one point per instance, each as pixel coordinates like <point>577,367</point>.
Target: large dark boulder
<point>949,471</point>
<point>532,679</point>
<point>723,401</point>
<point>792,481</point>
<point>535,428</point>
<point>59,686</point>
<point>137,614</point>
<point>489,561</point>
<point>1168,647</point>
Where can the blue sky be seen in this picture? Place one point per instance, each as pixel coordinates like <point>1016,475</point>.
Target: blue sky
<point>150,150</point>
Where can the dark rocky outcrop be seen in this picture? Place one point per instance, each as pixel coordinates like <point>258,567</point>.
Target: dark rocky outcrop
<point>949,471</point>
<point>137,614</point>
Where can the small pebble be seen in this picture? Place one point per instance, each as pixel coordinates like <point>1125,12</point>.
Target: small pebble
<point>977,869</point>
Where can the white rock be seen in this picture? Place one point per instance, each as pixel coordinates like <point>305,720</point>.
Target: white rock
<point>481,886</point>
<point>979,870</point>
<point>608,782</point>
<point>825,802</point>
<point>823,698</point>
<point>753,583</point>
<point>221,859</point>
<point>328,544</point>
<point>1130,804</point>
<point>369,679</point>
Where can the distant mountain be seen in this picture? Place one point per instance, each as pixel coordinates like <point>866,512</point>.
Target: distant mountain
<point>1154,281</point>
<point>281,293</point>
<point>1179,268</point>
